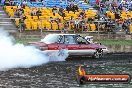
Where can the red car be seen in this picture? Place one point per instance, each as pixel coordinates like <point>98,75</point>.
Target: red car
<point>75,44</point>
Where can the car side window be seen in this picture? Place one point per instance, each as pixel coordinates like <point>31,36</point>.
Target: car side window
<point>70,39</point>
<point>61,39</point>
<point>81,40</point>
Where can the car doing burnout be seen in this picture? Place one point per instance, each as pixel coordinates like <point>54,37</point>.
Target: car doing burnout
<point>75,44</point>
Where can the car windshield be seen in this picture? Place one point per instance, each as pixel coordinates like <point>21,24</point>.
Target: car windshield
<point>51,38</point>
<point>81,40</point>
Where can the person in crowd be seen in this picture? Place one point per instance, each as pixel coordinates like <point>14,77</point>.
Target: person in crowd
<point>117,15</point>
<point>111,25</point>
<point>65,29</point>
<point>120,23</point>
<point>83,26</point>
<point>124,25</point>
<point>72,22</point>
<point>54,10</point>
<point>68,8</point>
<point>42,1</point>
<point>72,19</point>
<point>6,3</point>
<point>107,3</point>
<point>128,18</point>
<point>90,19</point>
<point>12,3</point>
<point>115,3</point>
<point>21,11</point>
<point>82,14</point>
<point>97,2</point>
<point>16,13</point>
<point>32,12</point>
<point>74,8</point>
<point>22,19</point>
<point>18,4</point>
<point>77,22</point>
<point>120,7</point>
<point>38,13</point>
<point>57,20</point>
<point>61,12</point>
<point>127,23</point>
<point>24,3</point>
<point>123,2</point>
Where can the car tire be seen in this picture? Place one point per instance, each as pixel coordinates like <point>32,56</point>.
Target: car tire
<point>98,54</point>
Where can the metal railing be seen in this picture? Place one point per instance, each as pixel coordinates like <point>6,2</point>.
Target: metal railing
<point>97,22</point>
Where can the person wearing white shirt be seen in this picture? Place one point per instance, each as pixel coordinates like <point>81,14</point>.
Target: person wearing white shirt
<point>77,21</point>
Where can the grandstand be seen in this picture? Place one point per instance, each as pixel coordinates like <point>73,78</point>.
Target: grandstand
<point>33,23</point>
<point>49,21</point>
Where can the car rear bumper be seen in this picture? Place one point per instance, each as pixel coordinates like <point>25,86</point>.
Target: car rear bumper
<point>72,52</point>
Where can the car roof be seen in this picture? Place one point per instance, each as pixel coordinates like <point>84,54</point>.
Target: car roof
<point>62,34</point>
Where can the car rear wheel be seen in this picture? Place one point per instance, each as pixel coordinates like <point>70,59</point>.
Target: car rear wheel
<point>98,54</point>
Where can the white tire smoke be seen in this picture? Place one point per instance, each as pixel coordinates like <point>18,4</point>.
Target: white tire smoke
<point>18,55</point>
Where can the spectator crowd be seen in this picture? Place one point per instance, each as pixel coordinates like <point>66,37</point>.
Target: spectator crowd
<point>112,14</point>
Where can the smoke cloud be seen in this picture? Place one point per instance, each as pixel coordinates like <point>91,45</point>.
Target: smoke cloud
<point>17,55</point>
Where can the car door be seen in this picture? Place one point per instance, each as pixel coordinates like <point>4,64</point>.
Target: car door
<point>85,47</point>
<point>71,45</point>
<point>54,42</point>
<point>61,44</point>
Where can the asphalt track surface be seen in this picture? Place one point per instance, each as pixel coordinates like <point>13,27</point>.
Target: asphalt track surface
<point>63,74</point>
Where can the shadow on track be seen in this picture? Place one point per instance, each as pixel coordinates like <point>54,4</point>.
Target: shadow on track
<point>113,56</point>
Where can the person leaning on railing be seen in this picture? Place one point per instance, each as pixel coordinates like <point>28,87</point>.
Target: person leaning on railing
<point>65,29</point>
<point>77,21</point>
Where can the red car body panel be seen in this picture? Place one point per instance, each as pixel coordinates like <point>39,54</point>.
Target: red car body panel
<point>55,46</point>
<point>73,48</point>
